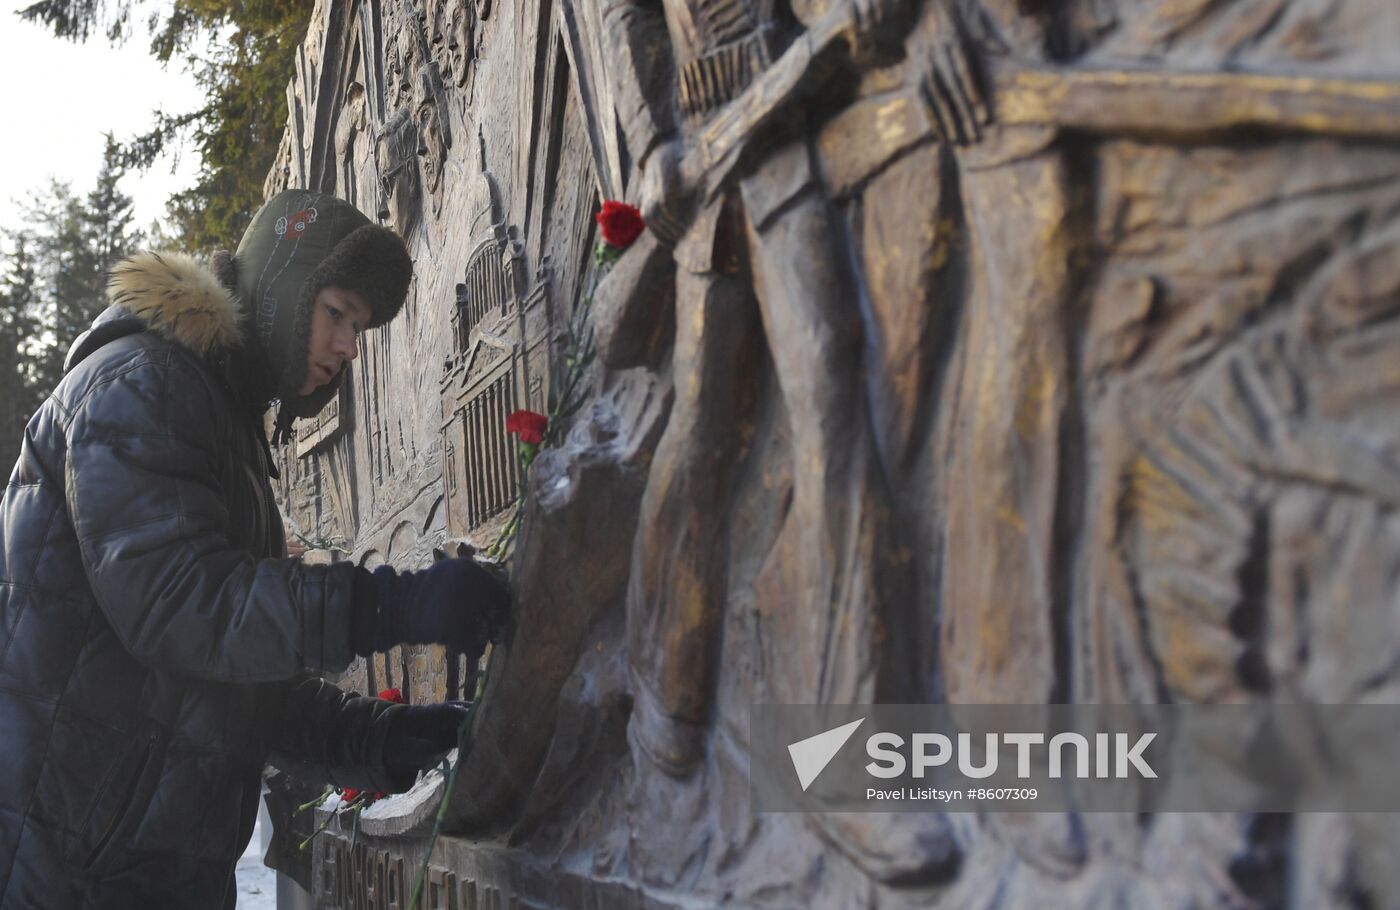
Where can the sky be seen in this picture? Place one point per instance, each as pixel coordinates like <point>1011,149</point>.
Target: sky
<point>58,98</point>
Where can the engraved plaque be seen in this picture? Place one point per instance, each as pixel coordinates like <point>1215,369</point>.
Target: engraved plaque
<point>331,422</point>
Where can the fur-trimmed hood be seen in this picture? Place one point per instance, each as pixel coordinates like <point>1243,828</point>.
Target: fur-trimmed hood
<point>171,294</point>
<point>179,298</point>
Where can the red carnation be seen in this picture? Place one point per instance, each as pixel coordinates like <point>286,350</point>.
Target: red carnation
<point>528,425</point>
<point>621,223</point>
<point>349,794</point>
<point>394,695</point>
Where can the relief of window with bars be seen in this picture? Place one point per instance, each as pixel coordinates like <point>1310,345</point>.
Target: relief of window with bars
<point>485,292</point>
<point>492,471</point>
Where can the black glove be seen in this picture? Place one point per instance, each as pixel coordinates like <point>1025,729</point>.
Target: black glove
<point>454,602</point>
<point>418,736</point>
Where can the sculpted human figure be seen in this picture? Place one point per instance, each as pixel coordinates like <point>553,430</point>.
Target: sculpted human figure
<point>1000,574</point>
<point>432,140</point>
<point>393,65</point>
<point>764,258</point>
<point>459,50</point>
<point>433,19</point>
<point>396,160</point>
<point>405,63</point>
<point>985,619</point>
<point>348,146</point>
<point>767,247</point>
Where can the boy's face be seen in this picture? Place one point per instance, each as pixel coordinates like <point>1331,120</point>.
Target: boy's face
<point>338,315</point>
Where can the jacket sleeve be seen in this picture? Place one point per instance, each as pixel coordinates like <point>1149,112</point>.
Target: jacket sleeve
<point>145,500</point>
<point>327,735</point>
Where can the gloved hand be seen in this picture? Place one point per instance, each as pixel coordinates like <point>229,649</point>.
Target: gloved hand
<point>454,602</point>
<point>418,736</point>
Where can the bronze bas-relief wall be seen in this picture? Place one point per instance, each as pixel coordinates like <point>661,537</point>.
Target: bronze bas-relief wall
<point>983,351</point>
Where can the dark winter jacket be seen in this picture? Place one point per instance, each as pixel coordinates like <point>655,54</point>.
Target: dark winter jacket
<point>152,646</point>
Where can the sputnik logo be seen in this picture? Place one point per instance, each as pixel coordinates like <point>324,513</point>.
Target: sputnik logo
<point>810,756</point>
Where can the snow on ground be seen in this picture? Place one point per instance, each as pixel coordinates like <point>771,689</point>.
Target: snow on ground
<point>257,884</point>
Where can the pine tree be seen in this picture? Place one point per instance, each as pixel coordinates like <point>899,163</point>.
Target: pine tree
<point>110,214</point>
<point>53,276</point>
<point>22,386</point>
<point>242,55</point>
<point>63,263</point>
<point>75,243</point>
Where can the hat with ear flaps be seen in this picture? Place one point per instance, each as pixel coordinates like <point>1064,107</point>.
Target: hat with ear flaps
<point>298,243</point>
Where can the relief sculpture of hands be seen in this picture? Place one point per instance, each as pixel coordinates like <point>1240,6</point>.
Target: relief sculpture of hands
<point>948,80</point>
<point>872,16</point>
<point>666,197</point>
<point>875,24</point>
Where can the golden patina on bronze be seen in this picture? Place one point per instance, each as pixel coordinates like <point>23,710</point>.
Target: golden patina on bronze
<point>976,352</point>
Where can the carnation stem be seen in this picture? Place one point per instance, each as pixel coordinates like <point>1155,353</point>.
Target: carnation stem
<point>312,802</point>
<point>463,733</point>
